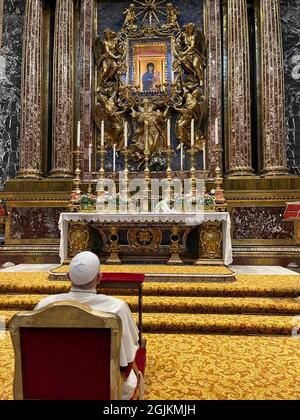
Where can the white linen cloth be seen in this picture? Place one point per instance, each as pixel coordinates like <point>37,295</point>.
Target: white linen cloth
<point>152,218</point>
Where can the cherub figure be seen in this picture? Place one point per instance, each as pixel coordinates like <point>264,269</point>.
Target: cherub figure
<point>172,16</point>
<point>130,18</point>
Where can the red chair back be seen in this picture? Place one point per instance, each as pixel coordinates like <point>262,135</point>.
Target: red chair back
<point>65,363</point>
<point>66,351</point>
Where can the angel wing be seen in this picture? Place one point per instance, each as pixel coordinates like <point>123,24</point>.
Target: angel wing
<point>201,44</point>
<point>99,50</point>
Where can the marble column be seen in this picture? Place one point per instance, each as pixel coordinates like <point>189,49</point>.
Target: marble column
<point>239,112</point>
<point>31,128</point>
<point>88,10</point>
<point>273,100</point>
<point>1,21</point>
<point>63,90</point>
<point>214,78</point>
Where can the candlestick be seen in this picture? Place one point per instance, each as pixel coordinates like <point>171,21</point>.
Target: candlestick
<point>192,132</point>
<point>169,153</point>
<point>114,158</point>
<point>101,152</point>
<point>193,171</point>
<point>169,133</point>
<point>126,134</point>
<point>204,156</point>
<point>181,157</point>
<point>78,135</point>
<point>76,180</point>
<point>217,130</point>
<point>102,133</point>
<point>90,157</point>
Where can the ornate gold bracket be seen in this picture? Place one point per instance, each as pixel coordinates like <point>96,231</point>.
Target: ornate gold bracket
<point>78,238</point>
<point>175,246</point>
<point>210,244</point>
<point>114,246</point>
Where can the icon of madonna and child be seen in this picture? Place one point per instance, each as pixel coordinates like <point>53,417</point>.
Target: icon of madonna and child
<point>151,79</point>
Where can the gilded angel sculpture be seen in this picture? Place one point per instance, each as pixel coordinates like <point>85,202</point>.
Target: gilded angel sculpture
<point>194,109</point>
<point>109,58</point>
<point>108,110</point>
<point>190,53</point>
<point>150,131</point>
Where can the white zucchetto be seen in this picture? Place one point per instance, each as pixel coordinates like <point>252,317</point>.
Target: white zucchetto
<point>83,268</point>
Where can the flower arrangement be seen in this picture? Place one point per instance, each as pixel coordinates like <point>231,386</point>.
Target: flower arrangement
<point>157,162</point>
<point>87,202</point>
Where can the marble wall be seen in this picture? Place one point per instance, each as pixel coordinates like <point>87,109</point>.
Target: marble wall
<point>10,87</point>
<point>35,223</point>
<point>260,223</point>
<point>290,17</point>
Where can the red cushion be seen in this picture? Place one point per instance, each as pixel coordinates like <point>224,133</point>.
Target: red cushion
<point>65,363</point>
<point>292,211</point>
<point>119,277</point>
<point>140,359</point>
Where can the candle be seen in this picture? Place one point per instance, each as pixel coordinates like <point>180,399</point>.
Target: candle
<point>217,130</point>
<point>192,132</point>
<point>114,158</point>
<point>78,135</point>
<point>204,157</point>
<point>181,157</point>
<point>102,133</point>
<point>90,157</point>
<point>126,134</point>
<point>169,133</point>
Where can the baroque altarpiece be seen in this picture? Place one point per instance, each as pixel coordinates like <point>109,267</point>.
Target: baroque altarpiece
<point>165,88</point>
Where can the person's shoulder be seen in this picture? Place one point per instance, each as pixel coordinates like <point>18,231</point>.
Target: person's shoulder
<point>50,299</point>
<point>118,303</point>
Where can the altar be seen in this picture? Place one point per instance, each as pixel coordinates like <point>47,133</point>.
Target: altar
<point>174,238</point>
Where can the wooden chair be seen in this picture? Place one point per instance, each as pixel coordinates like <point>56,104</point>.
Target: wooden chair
<point>66,351</point>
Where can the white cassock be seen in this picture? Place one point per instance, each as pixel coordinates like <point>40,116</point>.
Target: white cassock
<point>130,336</point>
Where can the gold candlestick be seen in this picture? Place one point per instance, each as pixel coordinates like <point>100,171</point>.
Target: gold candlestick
<point>192,152</point>
<point>101,152</point>
<point>77,180</point>
<point>221,204</point>
<point>169,153</point>
<point>147,180</point>
<point>125,191</point>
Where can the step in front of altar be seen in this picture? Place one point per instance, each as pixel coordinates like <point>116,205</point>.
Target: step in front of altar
<point>160,273</point>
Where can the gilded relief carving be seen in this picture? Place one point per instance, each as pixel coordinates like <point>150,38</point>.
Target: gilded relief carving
<point>78,238</point>
<point>211,240</point>
<point>141,238</point>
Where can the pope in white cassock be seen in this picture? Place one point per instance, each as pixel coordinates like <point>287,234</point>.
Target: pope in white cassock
<point>84,274</point>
